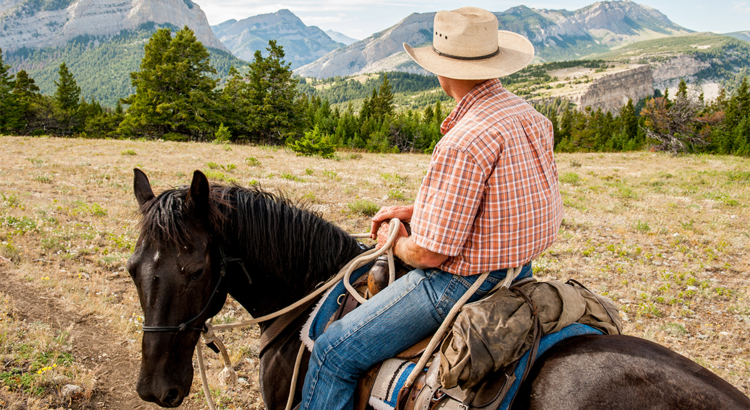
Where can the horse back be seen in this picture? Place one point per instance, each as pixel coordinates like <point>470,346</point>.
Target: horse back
<point>623,372</point>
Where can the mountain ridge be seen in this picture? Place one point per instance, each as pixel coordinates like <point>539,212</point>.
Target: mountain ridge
<point>556,34</point>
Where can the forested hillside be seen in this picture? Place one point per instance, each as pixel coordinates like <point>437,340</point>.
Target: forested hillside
<point>102,67</point>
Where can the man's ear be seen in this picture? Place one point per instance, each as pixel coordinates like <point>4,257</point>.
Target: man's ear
<point>198,196</point>
<point>142,187</point>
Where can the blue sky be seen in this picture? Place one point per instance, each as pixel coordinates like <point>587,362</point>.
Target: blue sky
<point>360,18</point>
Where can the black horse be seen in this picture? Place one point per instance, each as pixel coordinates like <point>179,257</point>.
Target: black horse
<point>183,270</point>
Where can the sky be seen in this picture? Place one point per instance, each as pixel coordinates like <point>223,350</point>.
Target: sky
<point>361,18</point>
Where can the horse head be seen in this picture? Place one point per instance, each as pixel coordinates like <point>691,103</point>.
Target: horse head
<point>178,286</point>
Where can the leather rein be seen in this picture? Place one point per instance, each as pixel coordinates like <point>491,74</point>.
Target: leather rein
<point>182,327</point>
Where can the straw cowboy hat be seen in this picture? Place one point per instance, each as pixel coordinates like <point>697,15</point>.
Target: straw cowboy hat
<point>466,45</point>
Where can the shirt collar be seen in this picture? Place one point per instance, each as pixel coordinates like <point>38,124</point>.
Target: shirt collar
<point>476,93</point>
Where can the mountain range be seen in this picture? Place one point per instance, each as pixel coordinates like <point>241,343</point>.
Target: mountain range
<point>556,35</point>
<point>102,40</point>
<point>302,44</point>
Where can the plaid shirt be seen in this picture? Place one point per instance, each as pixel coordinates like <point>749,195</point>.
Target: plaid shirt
<point>490,199</point>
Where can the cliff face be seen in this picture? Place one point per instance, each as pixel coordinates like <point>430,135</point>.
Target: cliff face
<point>302,44</point>
<point>23,25</point>
<point>556,34</point>
<point>677,67</point>
<point>613,91</point>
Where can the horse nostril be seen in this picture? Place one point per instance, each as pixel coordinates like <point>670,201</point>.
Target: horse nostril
<point>173,397</point>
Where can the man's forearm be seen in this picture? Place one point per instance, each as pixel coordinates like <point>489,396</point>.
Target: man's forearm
<point>417,256</point>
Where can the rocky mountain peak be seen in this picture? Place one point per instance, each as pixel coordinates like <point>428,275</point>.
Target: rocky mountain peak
<point>37,24</point>
<point>302,44</point>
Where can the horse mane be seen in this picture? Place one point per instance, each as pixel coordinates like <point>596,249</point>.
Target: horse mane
<point>283,237</point>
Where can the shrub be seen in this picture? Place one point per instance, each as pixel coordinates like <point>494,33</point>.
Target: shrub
<point>223,135</point>
<point>313,143</point>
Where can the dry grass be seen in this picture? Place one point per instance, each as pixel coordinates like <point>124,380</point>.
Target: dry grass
<point>664,237</point>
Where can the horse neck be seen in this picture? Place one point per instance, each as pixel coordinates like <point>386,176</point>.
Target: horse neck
<point>287,251</point>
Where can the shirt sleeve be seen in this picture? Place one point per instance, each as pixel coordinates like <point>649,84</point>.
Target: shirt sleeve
<point>448,201</point>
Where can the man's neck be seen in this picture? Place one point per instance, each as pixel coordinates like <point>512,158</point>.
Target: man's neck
<point>458,88</point>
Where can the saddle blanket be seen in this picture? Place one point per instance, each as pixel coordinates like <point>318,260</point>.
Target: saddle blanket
<point>394,372</point>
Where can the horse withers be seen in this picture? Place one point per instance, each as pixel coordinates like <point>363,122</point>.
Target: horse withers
<point>181,270</point>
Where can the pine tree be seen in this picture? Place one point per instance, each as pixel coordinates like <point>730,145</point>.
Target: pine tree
<point>273,112</point>
<point>9,104</point>
<point>68,93</point>
<point>67,99</point>
<point>682,89</point>
<point>174,92</point>
<point>232,98</point>
<point>28,98</point>
<point>629,121</point>
<point>383,104</point>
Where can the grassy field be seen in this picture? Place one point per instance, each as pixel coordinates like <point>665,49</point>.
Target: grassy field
<point>665,237</point>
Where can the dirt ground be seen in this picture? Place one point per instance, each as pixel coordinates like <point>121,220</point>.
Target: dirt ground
<point>665,237</point>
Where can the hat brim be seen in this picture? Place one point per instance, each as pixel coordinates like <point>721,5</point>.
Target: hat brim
<point>516,52</point>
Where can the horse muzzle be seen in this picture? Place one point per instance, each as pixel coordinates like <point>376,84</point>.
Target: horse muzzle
<point>165,395</point>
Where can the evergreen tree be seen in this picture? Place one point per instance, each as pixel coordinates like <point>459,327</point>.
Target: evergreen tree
<point>682,91</point>
<point>174,92</point>
<point>273,112</point>
<point>67,99</point>
<point>383,100</point>
<point>28,99</point>
<point>233,96</point>
<point>629,121</point>
<point>68,93</point>
<point>10,118</point>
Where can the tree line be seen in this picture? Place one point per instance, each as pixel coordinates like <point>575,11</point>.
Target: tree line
<point>179,97</point>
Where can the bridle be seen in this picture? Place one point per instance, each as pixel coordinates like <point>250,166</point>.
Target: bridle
<point>182,327</point>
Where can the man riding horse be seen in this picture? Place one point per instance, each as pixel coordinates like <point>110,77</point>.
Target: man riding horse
<point>489,202</point>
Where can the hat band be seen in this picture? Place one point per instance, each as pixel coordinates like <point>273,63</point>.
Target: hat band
<point>441,54</point>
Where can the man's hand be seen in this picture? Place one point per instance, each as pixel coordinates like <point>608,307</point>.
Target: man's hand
<point>383,231</point>
<point>403,213</point>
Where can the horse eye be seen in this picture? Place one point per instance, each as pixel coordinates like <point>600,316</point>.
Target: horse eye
<point>196,275</point>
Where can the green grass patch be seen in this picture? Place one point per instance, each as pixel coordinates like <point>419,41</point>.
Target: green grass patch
<point>641,226</point>
<point>128,152</point>
<point>252,161</point>
<point>18,225</point>
<point>364,207</point>
<point>332,175</point>
<point>291,177</point>
<point>213,174</point>
<point>570,178</point>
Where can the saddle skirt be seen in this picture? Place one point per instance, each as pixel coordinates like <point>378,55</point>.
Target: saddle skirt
<point>394,372</point>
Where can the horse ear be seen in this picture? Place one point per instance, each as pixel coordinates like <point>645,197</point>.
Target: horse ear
<point>198,196</point>
<point>142,187</point>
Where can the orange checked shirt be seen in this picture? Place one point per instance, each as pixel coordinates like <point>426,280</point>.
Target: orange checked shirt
<point>490,199</point>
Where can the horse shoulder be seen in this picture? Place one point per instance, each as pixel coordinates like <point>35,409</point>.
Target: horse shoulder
<point>623,372</point>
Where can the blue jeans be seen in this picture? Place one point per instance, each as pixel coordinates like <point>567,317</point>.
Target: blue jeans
<point>409,310</point>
